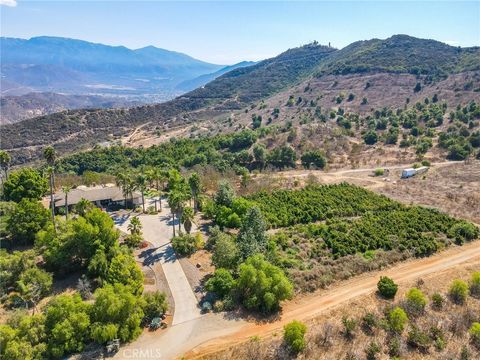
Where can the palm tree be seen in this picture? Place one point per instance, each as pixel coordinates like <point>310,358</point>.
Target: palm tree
<point>66,189</point>
<point>174,201</point>
<point>135,225</point>
<point>157,176</point>
<point>188,219</point>
<point>194,182</point>
<point>52,199</point>
<point>50,156</point>
<point>141,184</point>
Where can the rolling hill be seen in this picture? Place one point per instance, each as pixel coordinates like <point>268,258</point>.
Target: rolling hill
<point>290,72</point>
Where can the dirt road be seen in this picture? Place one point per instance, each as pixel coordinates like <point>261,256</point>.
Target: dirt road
<point>311,306</point>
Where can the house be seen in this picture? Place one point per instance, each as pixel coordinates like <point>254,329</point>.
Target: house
<point>102,196</point>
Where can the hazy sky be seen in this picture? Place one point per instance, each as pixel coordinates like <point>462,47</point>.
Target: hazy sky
<point>226,32</point>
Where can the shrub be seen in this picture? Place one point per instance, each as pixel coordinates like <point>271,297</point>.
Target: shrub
<point>425,163</point>
<point>387,287</point>
<point>294,335</point>
<point>475,333</point>
<point>379,172</point>
<point>184,244</point>
<point>220,283</point>
<point>416,301</point>
<point>394,346</point>
<point>133,240</point>
<point>369,323</point>
<point>155,304</point>
<point>372,350</point>
<point>463,231</point>
<point>458,291</point>
<point>475,284</point>
<point>437,301</point>
<point>396,320</point>
<point>419,339</point>
<point>349,326</point>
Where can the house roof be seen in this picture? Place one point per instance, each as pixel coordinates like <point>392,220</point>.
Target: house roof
<point>93,193</point>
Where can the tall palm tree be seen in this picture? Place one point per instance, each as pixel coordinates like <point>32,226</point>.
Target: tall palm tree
<point>194,182</point>
<point>141,184</point>
<point>50,156</point>
<point>158,176</point>
<point>52,197</point>
<point>174,201</point>
<point>66,189</point>
<point>122,181</point>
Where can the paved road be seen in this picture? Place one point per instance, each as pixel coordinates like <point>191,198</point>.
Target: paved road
<point>157,229</point>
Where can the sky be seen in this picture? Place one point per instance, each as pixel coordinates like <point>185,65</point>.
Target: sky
<point>226,32</point>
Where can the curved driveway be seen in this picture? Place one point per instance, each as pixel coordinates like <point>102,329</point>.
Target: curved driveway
<point>157,230</point>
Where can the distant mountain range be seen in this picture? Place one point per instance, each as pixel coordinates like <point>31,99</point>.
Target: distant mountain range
<point>426,60</point>
<point>61,65</point>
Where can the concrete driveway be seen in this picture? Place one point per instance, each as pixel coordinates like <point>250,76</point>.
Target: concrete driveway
<point>157,230</point>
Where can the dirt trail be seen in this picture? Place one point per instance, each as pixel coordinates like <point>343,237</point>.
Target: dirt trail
<point>311,306</point>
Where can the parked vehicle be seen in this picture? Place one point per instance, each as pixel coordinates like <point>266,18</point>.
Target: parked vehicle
<point>407,173</point>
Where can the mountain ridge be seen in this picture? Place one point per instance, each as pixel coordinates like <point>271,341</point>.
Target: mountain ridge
<point>232,91</point>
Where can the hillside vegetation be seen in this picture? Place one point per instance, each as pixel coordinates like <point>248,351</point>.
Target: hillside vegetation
<point>401,54</point>
<point>73,130</point>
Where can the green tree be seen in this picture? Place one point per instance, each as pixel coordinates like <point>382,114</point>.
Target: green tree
<point>26,220</point>
<point>34,284</point>
<point>25,183</point>
<point>261,285</point>
<point>225,194</point>
<point>260,155</point>
<point>294,335</point>
<point>387,287</point>
<point>370,137</point>
<point>124,270</point>
<point>252,238</point>
<point>221,282</point>
<point>67,324</point>
<point>314,158</point>
<point>458,291</point>
<point>116,313</point>
<point>225,253</point>
<point>397,319</point>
